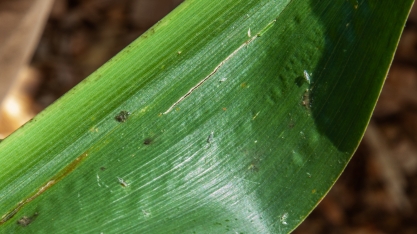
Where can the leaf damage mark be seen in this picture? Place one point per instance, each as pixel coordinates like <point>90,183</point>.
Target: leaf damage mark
<point>210,138</point>
<point>256,115</point>
<point>122,182</point>
<point>148,141</point>
<point>266,28</point>
<point>283,219</point>
<point>146,213</point>
<point>58,177</point>
<point>25,221</point>
<point>122,116</point>
<point>254,165</point>
<point>307,101</point>
<point>269,26</point>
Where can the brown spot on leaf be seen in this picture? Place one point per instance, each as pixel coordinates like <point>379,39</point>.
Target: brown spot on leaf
<point>58,177</point>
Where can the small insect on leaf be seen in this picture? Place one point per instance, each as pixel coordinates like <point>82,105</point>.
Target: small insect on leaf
<point>122,182</point>
<point>210,138</point>
<point>283,219</point>
<point>122,116</point>
<point>307,77</point>
<point>25,221</point>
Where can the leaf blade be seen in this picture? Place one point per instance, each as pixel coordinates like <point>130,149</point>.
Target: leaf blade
<point>225,158</point>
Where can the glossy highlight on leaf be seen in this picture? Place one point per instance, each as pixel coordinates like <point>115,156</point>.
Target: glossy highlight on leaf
<point>225,117</point>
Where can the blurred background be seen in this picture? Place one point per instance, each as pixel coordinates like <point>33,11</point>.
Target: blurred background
<point>47,47</point>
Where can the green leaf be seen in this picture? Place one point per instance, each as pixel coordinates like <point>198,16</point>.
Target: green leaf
<point>226,117</point>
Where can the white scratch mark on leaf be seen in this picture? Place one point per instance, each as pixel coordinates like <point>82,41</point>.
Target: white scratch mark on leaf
<point>219,66</point>
<point>98,180</point>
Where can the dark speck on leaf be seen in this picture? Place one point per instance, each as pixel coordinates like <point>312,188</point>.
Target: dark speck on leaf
<point>102,168</point>
<point>147,141</point>
<point>122,116</point>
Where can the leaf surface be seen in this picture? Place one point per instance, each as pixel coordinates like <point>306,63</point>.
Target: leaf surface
<point>225,117</point>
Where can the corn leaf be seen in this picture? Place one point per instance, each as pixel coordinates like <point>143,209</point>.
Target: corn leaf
<point>225,117</point>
